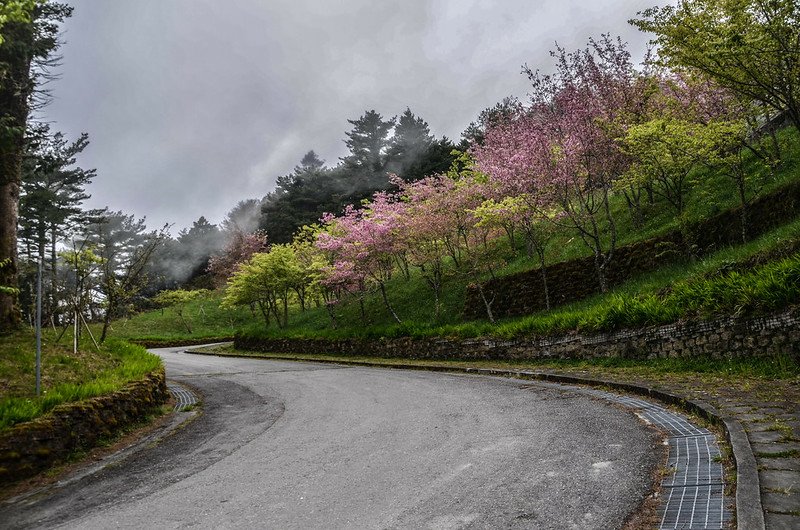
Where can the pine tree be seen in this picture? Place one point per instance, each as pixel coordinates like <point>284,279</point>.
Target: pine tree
<point>29,39</point>
<point>367,141</point>
<point>408,146</point>
<point>53,189</point>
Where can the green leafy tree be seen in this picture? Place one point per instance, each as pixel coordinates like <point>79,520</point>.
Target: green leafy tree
<point>751,47</point>
<point>665,151</point>
<point>177,300</point>
<point>81,264</point>
<point>16,11</point>
<point>268,280</point>
<point>125,248</point>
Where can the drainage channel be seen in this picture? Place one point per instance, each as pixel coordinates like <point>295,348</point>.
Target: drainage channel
<point>693,493</point>
<point>184,398</point>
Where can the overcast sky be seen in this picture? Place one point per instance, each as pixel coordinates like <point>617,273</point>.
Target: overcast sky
<point>193,105</point>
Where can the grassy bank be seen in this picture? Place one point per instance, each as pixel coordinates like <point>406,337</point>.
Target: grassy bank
<point>759,277</point>
<point>205,318</point>
<point>66,377</point>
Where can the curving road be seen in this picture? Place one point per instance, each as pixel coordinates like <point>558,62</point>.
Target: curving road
<point>297,445</point>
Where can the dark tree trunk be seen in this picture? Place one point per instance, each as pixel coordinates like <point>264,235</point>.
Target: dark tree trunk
<point>15,88</point>
<point>9,200</point>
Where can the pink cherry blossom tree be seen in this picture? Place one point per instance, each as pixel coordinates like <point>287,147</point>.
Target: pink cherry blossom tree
<point>239,250</point>
<point>562,148</point>
<point>364,244</point>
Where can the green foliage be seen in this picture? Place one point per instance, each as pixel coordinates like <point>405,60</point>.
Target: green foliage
<point>208,321</point>
<point>724,283</point>
<point>751,47</point>
<point>177,299</point>
<point>268,280</point>
<point>66,377</point>
<point>666,150</point>
<point>6,288</point>
<point>16,11</point>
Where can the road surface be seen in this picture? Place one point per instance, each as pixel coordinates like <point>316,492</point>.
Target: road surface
<point>300,445</point>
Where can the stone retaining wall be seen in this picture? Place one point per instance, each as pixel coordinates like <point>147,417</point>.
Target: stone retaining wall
<point>725,337</point>
<point>31,447</point>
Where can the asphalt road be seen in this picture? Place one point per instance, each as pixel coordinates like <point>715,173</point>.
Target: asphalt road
<point>297,445</point>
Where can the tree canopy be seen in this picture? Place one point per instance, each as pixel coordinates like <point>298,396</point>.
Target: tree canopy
<point>751,47</point>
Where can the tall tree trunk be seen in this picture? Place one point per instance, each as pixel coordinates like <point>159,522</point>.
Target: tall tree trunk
<point>9,201</point>
<point>486,303</point>
<point>540,252</point>
<point>107,320</point>
<point>54,277</point>
<point>388,305</point>
<point>15,88</point>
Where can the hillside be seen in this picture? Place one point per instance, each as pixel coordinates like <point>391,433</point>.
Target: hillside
<point>763,272</point>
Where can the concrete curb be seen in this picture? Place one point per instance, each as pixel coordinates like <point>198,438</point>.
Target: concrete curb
<point>749,512</point>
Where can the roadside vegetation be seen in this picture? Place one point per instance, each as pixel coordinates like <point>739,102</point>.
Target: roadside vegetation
<point>66,376</point>
<point>759,276</point>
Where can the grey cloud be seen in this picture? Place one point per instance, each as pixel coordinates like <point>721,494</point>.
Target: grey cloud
<point>193,105</point>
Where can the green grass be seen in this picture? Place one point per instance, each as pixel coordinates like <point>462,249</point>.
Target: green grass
<point>66,377</point>
<point>206,318</point>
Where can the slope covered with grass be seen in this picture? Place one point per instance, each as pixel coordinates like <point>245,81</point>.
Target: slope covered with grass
<point>66,376</point>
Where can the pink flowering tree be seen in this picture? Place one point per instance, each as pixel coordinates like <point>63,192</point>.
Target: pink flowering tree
<point>239,250</point>
<point>427,230</point>
<point>562,149</point>
<point>438,224</point>
<point>337,276</point>
<point>364,245</point>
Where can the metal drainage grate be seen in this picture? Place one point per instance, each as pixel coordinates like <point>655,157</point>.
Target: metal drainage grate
<point>693,494</point>
<point>183,397</point>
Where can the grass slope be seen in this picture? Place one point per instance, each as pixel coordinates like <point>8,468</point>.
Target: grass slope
<point>66,376</point>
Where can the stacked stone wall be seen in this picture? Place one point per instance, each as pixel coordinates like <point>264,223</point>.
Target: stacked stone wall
<point>33,446</point>
<point>777,334</point>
